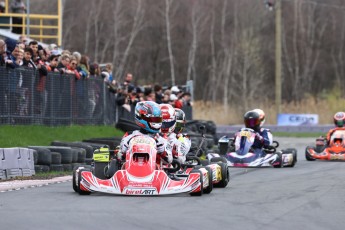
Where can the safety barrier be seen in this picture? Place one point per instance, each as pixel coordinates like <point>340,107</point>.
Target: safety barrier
<point>16,162</point>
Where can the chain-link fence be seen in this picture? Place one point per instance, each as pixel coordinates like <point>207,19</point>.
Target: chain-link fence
<point>26,97</point>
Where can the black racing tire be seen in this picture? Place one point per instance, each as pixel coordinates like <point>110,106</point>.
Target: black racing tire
<point>293,151</point>
<point>209,189</point>
<point>56,158</point>
<point>82,192</point>
<point>320,148</point>
<point>307,155</point>
<point>205,162</point>
<point>88,161</point>
<point>66,153</point>
<point>81,155</point>
<point>87,147</point>
<point>56,168</point>
<point>280,159</point>
<point>44,156</point>
<point>74,182</point>
<point>35,154</point>
<point>67,167</point>
<point>126,125</point>
<point>75,152</point>
<point>202,184</point>
<point>225,175</point>
<point>111,169</point>
<point>41,168</point>
<point>99,170</point>
<point>111,143</point>
<point>218,159</point>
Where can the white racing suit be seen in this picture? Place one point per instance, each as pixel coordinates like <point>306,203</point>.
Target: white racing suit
<point>164,149</point>
<point>181,144</point>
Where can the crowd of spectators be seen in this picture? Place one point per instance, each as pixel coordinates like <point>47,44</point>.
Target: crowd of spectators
<point>30,54</point>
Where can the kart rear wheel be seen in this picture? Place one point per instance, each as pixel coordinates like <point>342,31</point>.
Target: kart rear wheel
<point>219,159</point>
<point>205,162</point>
<point>209,188</point>
<point>99,170</point>
<point>307,155</point>
<point>293,151</point>
<point>280,160</point>
<point>225,175</point>
<point>201,184</point>
<point>82,192</point>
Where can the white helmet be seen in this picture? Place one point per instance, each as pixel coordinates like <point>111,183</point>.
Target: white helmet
<point>169,118</point>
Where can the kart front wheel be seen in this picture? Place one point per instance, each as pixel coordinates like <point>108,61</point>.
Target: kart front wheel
<point>307,154</point>
<point>82,192</point>
<point>225,175</point>
<point>209,188</point>
<point>199,193</point>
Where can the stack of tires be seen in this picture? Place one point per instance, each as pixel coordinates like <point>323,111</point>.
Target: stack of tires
<point>193,130</point>
<point>57,158</point>
<point>64,156</point>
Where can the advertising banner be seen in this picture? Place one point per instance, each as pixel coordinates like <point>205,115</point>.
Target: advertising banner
<point>297,119</point>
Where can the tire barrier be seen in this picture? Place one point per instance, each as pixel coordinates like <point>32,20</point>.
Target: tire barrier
<point>16,162</point>
<point>58,158</point>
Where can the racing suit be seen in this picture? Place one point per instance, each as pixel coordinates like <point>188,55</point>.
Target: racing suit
<point>164,148</point>
<point>330,132</point>
<point>181,144</point>
<point>263,138</point>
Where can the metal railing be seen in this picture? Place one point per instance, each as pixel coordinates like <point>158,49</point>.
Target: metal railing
<point>45,27</point>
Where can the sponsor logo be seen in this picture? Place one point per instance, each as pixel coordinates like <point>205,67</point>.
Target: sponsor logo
<point>140,191</point>
<point>337,157</point>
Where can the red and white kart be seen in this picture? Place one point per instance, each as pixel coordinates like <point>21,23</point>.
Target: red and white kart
<point>140,175</point>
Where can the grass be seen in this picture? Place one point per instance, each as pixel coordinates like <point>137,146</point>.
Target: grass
<point>22,135</point>
<point>285,134</point>
<point>325,107</point>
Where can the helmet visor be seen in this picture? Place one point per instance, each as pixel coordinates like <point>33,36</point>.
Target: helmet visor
<point>340,123</point>
<point>166,125</point>
<point>251,122</point>
<point>152,119</point>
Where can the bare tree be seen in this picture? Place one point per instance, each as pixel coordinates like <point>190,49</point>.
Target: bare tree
<point>168,24</point>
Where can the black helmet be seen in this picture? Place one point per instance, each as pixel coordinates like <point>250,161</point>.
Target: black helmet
<point>252,120</point>
<point>180,120</point>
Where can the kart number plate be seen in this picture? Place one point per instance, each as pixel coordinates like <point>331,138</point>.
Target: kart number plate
<point>245,134</point>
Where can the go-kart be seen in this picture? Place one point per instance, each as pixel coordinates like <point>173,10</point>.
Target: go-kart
<point>139,175</point>
<point>333,151</point>
<point>218,171</point>
<point>239,152</point>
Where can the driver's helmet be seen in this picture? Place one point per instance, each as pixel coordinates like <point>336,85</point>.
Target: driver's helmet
<point>252,120</point>
<point>339,119</point>
<point>169,118</point>
<point>148,116</point>
<point>180,120</point>
<point>261,116</point>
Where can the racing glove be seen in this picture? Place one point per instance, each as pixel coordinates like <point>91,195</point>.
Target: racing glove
<point>259,137</point>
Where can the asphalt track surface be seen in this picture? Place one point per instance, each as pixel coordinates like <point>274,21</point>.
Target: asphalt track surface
<point>309,196</point>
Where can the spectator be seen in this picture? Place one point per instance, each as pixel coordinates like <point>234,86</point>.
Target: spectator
<point>149,94</point>
<point>34,46</point>
<point>22,40</point>
<point>2,7</point>
<point>18,7</point>
<point>3,53</point>
<point>166,96</point>
<point>63,64</point>
<point>94,90</point>
<point>107,75</point>
<point>158,93</point>
<point>72,67</point>
<point>84,66</point>
<point>127,84</point>
<point>27,61</point>
<point>53,63</point>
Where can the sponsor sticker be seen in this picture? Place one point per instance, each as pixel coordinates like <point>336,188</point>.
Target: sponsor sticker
<point>141,191</point>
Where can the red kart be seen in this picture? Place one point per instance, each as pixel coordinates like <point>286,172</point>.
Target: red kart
<point>140,175</point>
<point>334,150</point>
